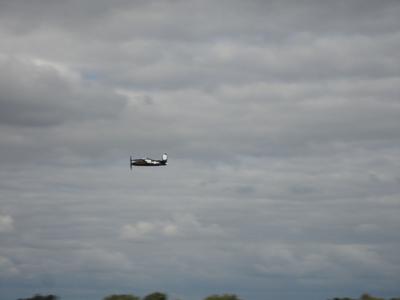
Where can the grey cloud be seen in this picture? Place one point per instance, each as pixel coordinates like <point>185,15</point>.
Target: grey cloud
<point>155,65</point>
<point>181,226</point>
<point>182,18</point>
<point>281,124</point>
<point>225,55</point>
<point>39,95</point>
<point>6,223</point>
<point>306,261</point>
<point>7,268</point>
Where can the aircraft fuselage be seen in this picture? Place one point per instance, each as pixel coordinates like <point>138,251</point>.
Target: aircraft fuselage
<point>148,162</point>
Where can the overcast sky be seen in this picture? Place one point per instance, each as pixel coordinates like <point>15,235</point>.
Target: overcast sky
<point>281,120</point>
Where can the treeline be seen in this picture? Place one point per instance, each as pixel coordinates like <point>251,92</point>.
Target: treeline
<point>162,296</point>
<point>365,297</point>
<point>152,296</point>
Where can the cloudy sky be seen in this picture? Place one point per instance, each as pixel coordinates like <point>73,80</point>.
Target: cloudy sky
<point>282,124</point>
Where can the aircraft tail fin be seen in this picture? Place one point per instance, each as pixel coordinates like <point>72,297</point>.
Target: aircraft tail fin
<point>130,163</point>
<point>165,158</point>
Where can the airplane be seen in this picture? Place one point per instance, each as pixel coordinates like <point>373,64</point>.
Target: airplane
<point>148,162</point>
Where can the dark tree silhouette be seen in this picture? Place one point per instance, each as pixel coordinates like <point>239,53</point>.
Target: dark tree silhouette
<point>369,297</point>
<point>222,297</point>
<point>121,297</point>
<point>364,296</point>
<point>156,296</point>
<point>41,297</point>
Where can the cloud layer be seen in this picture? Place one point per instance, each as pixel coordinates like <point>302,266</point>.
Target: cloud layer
<point>281,124</point>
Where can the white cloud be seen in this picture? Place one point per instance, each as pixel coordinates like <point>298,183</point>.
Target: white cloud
<point>6,223</point>
<point>139,230</point>
<point>180,226</point>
